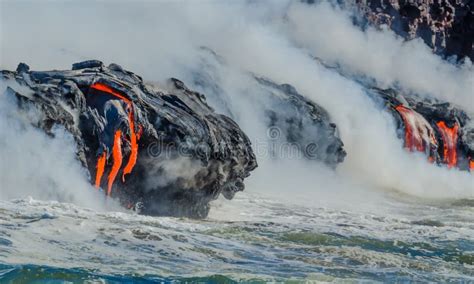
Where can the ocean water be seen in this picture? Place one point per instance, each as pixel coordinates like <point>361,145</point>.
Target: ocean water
<point>352,225</point>
<point>252,238</point>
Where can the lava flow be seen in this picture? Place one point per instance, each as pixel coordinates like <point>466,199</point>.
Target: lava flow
<point>117,145</point>
<point>450,138</point>
<point>134,137</point>
<point>117,157</point>
<point>100,168</point>
<point>418,132</point>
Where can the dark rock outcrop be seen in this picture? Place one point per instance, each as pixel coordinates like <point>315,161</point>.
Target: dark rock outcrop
<point>442,131</point>
<point>296,126</point>
<point>297,121</point>
<point>162,149</point>
<point>447,26</point>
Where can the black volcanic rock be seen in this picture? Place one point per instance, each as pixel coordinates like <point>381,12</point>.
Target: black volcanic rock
<point>162,149</point>
<point>297,121</point>
<point>447,26</point>
<point>297,127</point>
<point>433,121</point>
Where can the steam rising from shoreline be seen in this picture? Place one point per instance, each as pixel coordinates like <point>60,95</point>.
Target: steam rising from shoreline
<point>36,165</point>
<point>274,39</point>
<point>380,55</point>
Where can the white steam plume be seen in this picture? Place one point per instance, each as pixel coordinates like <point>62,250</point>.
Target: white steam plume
<point>35,165</point>
<point>329,34</point>
<point>275,39</point>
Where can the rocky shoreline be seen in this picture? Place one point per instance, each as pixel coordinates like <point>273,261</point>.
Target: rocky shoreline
<point>446,26</point>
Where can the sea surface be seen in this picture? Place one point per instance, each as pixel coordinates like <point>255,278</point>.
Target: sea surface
<point>251,238</point>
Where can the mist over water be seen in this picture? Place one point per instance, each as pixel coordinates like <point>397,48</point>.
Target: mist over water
<point>274,39</point>
<point>37,165</point>
<point>383,214</point>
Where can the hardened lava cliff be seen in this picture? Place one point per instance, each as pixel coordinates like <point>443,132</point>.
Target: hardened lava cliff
<point>162,149</point>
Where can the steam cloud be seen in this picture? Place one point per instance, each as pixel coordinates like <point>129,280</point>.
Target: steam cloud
<point>34,164</point>
<point>275,39</point>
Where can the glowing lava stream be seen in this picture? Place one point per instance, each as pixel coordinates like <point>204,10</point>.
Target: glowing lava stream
<point>134,147</point>
<point>450,139</point>
<point>100,168</point>
<point>418,132</point>
<point>117,157</point>
<point>117,147</point>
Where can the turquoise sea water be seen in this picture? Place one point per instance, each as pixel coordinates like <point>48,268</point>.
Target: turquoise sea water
<point>249,239</point>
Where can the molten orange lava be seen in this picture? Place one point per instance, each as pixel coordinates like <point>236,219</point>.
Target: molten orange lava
<point>117,152</point>
<point>109,90</point>
<point>471,165</point>
<point>117,156</point>
<point>134,148</point>
<point>450,138</point>
<point>414,131</point>
<point>100,168</point>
